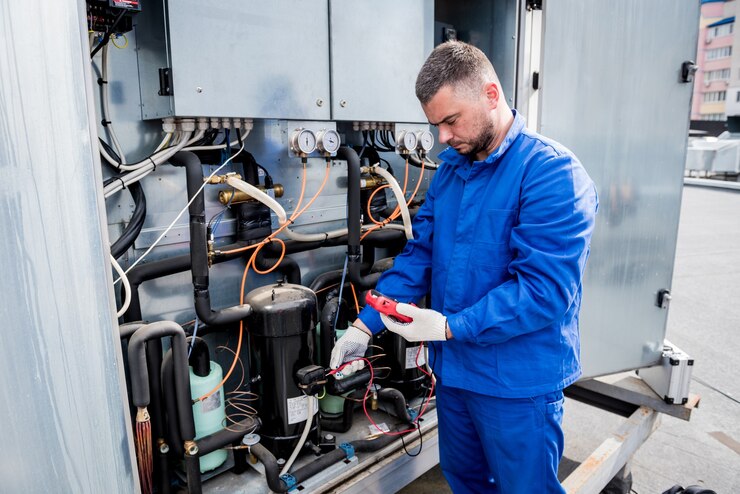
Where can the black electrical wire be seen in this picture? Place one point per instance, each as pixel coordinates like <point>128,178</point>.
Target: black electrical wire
<point>108,32</point>
<point>421,443</point>
<point>136,223</point>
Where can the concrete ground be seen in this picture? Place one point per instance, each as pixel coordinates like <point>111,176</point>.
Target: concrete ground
<point>704,321</point>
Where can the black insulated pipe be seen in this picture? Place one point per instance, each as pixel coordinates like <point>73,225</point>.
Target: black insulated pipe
<point>133,228</point>
<point>200,357</point>
<point>396,398</point>
<point>272,470</point>
<point>140,375</point>
<point>354,220</point>
<point>229,435</point>
<point>199,245</point>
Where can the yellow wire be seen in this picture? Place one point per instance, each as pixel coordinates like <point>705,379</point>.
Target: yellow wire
<point>113,40</point>
<point>323,395</point>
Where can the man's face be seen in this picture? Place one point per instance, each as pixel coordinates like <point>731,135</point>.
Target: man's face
<point>463,120</point>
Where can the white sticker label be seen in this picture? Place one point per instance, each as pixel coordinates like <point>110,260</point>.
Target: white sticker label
<point>411,360</point>
<point>211,403</point>
<point>378,428</point>
<point>298,408</point>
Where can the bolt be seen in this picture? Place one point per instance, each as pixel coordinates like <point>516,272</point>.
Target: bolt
<point>319,102</point>
<point>343,103</point>
<point>329,437</point>
<point>199,89</point>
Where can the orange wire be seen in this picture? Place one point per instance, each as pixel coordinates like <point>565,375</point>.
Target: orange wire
<point>287,223</point>
<point>354,295</point>
<point>369,202</point>
<point>250,263</point>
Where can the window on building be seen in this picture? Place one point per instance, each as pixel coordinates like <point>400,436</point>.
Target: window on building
<point>714,96</point>
<point>723,30</point>
<point>717,75</point>
<point>713,116</point>
<point>737,97</point>
<point>716,53</point>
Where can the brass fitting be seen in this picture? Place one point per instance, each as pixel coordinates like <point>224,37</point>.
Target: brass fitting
<point>163,447</point>
<point>191,448</point>
<point>237,196</point>
<point>371,182</point>
<point>142,415</point>
<point>221,179</point>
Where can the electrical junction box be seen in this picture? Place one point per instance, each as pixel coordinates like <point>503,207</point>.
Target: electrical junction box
<point>670,379</point>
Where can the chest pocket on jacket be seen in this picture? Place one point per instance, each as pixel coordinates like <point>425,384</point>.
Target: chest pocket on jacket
<point>491,245</point>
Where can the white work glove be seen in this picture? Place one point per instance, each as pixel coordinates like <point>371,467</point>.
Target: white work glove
<point>427,324</point>
<point>352,345</point>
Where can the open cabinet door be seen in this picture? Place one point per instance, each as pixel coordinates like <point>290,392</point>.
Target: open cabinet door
<point>611,90</point>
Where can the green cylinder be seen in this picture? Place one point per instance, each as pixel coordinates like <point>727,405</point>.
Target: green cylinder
<point>209,414</point>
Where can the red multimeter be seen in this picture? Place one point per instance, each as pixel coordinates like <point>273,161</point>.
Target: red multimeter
<point>385,305</point>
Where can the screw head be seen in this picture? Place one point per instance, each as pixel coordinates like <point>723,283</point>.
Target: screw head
<point>343,103</point>
<point>199,89</point>
<point>319,102</point>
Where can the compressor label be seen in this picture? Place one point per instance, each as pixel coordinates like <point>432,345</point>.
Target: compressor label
<point>411,360</point>
<point>298,408</point>
<point>213,402</point>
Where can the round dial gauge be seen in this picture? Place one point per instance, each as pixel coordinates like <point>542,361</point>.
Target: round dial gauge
<point>303,141</point>
<point>426,140</point>
<point>408,141</point>
<point>329,141</point>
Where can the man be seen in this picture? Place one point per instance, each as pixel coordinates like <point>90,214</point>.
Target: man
<point>501,242</point>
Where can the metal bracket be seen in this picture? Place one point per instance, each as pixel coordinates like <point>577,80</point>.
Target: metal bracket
<point>165,81</point>
<point>688,69</point>
<point>664,298</point>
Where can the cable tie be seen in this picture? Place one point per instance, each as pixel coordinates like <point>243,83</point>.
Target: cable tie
<point>101,81</point>
<point>123,184</point>
<point>105,122</point>
<point>154,164</point>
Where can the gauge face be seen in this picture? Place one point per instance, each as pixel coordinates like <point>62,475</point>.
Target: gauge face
<point>329,141</point>
<point>426,140</point>
<point>409,141</point>
<point>304,141</point>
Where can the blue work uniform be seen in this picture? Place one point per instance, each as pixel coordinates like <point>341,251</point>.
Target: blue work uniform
<point>502,245</point>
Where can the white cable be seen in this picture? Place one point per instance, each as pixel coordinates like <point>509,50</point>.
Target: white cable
<point>205,182</point>
<point>398,192</point>
<point>148,166</point>
<point>260,196</point>
<point>126,286</point>
<point>104,103</point>
<point>304,436</point>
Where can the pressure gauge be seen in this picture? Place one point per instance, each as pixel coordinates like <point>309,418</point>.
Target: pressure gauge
<point>426,140</point>
<point>406,142</point>
<point>303,141</point>
<point>328,141</point>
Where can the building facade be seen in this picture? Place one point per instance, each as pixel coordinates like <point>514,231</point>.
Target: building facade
<point>717,82</point>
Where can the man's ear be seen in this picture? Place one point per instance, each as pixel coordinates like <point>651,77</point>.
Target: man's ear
<point>492,93</point>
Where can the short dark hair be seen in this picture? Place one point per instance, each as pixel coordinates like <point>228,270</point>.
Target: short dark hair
<point>454,63</point>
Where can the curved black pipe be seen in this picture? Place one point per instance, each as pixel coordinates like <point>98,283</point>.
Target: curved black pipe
<point>328,331</point>
<point>199,245</point>
<point>231,434</point>
<point>396,398</point>
<point>354,222</point>
<point>288,266</point>
<point>272,470</point>
<point>133,228</point>
<point>139,374</point>
<point>200,357</point>
<point>129,328</point>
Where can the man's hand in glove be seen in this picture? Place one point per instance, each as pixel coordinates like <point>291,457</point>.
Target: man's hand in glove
<point>427,324</point>
<point>352,345</point>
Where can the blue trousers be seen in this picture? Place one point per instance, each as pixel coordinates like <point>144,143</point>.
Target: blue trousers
<point>500,445</point>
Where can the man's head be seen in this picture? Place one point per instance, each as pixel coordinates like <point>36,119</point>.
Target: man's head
<point>461,94</point>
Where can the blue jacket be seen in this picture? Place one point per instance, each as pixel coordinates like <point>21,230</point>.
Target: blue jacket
<point>502,245</point>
